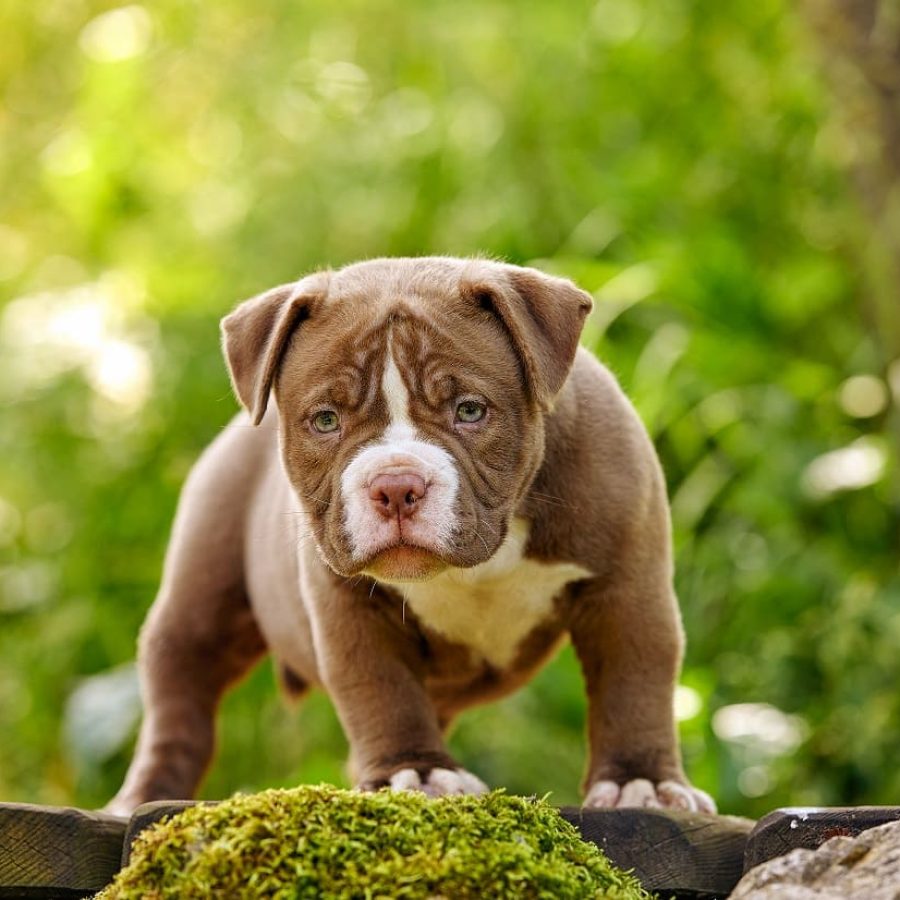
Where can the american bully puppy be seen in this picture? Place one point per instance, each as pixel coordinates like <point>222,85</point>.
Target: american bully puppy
<point>443,488</point>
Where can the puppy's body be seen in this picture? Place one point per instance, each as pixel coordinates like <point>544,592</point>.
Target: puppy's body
<point>480,497</point>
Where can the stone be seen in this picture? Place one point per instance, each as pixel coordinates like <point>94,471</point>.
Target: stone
<point>843,868</point>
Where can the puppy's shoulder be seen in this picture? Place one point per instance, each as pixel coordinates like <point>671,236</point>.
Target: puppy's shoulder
<point>599,457</point>
<point>593,412</point>
<point>595,388</point>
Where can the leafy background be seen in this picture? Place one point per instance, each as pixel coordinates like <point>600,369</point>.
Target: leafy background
<point>721,176</point>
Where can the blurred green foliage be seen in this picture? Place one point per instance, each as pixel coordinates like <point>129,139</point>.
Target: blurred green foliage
<point>681,160</point>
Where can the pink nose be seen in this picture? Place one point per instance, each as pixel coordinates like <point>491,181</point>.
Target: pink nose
<point>397,495</point>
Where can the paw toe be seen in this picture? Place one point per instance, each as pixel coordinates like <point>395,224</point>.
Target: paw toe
<point>673,795</point>
<point>405,780</point>
<point>442,782</point>
<point>602,795</point>
<point>639,792</point>
<point>705,803</point>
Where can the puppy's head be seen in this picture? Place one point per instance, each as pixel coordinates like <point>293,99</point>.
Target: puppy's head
<point>411,396</point>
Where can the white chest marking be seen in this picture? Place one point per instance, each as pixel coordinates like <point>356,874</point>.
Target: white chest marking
<point>492,607</point>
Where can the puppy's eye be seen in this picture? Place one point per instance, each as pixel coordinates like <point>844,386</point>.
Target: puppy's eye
<point>470,411</point>
<point>326,421</point>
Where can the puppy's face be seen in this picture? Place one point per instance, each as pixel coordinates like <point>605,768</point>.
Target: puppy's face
<point>410,422</point>
<point>408,434</point>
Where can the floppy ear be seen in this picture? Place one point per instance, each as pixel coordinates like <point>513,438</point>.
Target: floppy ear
<point>544,316</point>
<point>255,335</point>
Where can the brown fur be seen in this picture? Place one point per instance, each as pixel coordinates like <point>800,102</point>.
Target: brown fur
<point>259,559</point>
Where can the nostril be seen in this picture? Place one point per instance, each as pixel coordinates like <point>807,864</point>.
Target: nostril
<point>397,493</point>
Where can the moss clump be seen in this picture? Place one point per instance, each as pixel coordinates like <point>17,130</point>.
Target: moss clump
<point>321,842</point>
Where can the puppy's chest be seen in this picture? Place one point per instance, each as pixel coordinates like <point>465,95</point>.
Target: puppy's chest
<point>493,607</point>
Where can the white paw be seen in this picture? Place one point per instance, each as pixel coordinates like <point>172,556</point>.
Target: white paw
<point>438,782</point>
<point>641,792</point>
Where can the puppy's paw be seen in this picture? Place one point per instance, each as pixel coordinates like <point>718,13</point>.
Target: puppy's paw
<point>641,792</point>
<point>436,782</point>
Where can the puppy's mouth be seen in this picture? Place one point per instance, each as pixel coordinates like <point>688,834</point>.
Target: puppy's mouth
<point>404,562</point>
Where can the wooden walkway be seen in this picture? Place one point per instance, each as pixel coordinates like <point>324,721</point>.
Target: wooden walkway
<point>61,853</point>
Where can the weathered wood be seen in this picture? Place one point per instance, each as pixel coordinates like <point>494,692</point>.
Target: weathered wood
<point>57,852</point>
<point>787,829</point>
<point>679,854</point>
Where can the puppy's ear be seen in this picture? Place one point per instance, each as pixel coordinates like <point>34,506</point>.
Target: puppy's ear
<point>544,316</point>
<point>256,334</point>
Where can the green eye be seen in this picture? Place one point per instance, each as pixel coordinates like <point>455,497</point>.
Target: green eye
<point>470,411</point>
<point>326,421</point>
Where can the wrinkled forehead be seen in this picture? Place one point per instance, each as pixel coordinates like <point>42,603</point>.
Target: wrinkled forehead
<point>421,320</point>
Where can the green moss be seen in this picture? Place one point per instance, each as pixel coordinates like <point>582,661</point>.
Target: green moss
<point>317,842</point>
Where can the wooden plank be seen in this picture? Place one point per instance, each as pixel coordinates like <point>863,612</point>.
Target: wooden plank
<point>679,854</point>
<point>57,852</point>
<point>787,829</point>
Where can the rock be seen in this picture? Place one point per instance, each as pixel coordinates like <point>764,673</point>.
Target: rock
<point>865,867</point>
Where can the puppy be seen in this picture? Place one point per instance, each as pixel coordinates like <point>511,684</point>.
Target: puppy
<point>444,487</point>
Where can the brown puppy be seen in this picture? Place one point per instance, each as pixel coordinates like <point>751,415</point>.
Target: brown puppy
<point>443,489</point>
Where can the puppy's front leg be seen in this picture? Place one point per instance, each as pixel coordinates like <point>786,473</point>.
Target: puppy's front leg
<point>372,668</point>
<point>628,637</point>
